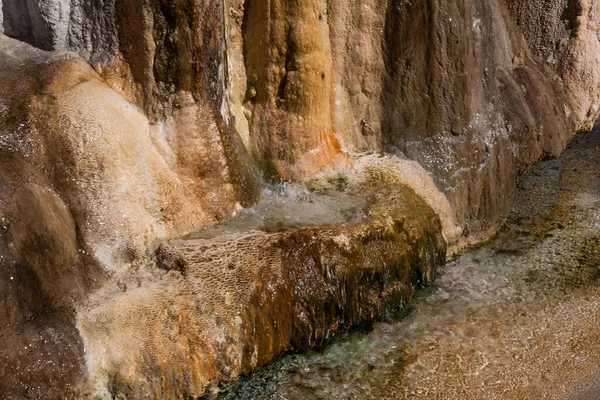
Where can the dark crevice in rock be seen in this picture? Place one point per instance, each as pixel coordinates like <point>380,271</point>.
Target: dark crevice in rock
<point>16,20</point>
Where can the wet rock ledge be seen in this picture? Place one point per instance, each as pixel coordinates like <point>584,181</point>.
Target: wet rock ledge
<point>233,301</point>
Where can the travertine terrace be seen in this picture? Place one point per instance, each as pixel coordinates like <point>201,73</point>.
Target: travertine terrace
<point>127,124</point>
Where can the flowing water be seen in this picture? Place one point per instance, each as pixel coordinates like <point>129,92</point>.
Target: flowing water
<point>517,318</point>
<point>291,206</point>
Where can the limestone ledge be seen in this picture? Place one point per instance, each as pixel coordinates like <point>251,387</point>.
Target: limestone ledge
<point>225,306</point>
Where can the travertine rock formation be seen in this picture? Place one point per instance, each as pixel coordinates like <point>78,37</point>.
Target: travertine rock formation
<point>88,187</point>
<point>464,88</point>
<point>125,123</point>
<point>234,302</point>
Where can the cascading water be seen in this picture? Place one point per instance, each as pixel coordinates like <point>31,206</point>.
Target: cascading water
<point>515,318</point>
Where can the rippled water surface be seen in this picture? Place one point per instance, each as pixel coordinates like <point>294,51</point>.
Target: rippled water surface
<point>517,318</point>
<point>290,206</point>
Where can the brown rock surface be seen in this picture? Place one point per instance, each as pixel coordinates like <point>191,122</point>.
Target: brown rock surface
<point>464,88</point>
<point>172,110</point>
<point>290,82</point>
<point>475,92</point>
<point>234,302</point>
<point>515,318</point>
<point>88,185</point>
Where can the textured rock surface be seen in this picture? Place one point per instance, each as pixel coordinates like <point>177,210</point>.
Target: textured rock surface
<point>475,92</point>
<point>516,318</point>
<point>234,302</point>
<point>87,186</point>
<point>151,118</point>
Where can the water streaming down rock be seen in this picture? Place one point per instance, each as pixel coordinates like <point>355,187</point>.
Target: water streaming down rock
<point>234,301</point>
<point>516,318</point>
<point>148,119</point>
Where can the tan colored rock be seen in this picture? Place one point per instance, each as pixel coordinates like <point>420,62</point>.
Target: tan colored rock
<point>401,172</point>
<point>88,186</point>
<point>234,302</point>
<point>98,150</point>
<point>289,89</point>
<point>564,35</point>
<point>474,92</point>
<point>174,110</point>
<point>448,84</point>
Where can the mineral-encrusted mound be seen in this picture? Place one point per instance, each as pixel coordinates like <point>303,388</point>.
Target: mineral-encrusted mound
<point>127,123</point>
<point>233,302</point>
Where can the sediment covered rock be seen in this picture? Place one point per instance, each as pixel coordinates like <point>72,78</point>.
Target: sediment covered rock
<point>464,88</point>
<point>475,92</point>
<point>234,302</point>
<point>87,187</point>
<point>146,119</point>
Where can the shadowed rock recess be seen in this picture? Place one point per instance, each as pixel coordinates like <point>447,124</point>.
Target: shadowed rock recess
<point>326,155</point>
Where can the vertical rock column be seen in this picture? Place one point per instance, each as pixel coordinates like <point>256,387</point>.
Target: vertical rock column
<point>15,19</point>
<point>288,65</point>
<point>43,24</point>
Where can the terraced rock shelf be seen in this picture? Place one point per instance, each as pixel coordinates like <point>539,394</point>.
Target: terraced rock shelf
<point>285,275</point>
<point>516,318</point>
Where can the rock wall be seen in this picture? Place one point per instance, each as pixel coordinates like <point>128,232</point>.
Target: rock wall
<point>475,92</point>
<point>465,89</point>
<point>124,123</point>
<point>89,187</point>
<point>232,303</point>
